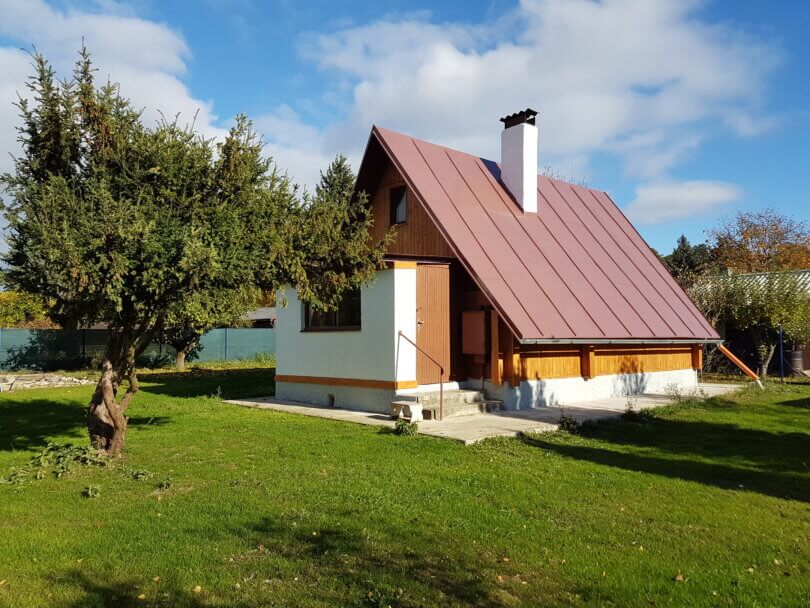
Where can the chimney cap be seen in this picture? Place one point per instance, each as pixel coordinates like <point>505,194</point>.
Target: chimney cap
<point>517,118</point>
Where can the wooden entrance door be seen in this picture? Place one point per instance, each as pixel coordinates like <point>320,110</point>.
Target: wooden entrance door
<point>432,321</point>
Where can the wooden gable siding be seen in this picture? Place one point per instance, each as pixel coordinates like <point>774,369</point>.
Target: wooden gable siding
<point>419,237</point>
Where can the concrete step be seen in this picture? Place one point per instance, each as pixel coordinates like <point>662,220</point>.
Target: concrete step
<point>452,396</point>
<point>456,403</point>
<point>451,410</point>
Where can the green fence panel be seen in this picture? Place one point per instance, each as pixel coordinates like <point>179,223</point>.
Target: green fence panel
<point>50,349</point>
<point>249,343</point>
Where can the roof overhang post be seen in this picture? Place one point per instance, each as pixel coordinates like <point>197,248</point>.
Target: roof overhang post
<point>697,357</point>
<point>494,348</point>
<point>587,361</point>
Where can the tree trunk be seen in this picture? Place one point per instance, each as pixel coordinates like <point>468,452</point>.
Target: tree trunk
<point>765,361</point>
<point>183,349</point>
<point>106,416</point>
<point>765,349</point>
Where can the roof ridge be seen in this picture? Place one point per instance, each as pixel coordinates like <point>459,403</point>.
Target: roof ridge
<point>486,160</point>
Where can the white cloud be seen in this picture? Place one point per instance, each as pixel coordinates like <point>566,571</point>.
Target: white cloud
<point>606,76</point>
<point>660,202</point>
<point>14,67</point>
<point>296,147</point>
<point>643,81</point>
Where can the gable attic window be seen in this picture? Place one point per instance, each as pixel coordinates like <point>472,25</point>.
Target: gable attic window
<point>345,318</point>
<point>399,205</point>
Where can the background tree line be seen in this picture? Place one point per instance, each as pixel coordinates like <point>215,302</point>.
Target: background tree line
<point>745,280</point>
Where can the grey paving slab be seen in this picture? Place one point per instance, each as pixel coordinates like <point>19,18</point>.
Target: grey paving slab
<point>476,427</point>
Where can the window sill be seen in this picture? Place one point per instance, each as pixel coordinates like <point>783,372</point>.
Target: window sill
<point>320,330</point>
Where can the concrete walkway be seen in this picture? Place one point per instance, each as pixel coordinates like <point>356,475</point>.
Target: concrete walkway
<point>475,427</point>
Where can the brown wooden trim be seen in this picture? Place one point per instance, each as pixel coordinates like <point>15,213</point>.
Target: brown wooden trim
<point>358,382</point>
<point>401,265</point>
<point>494,362</point>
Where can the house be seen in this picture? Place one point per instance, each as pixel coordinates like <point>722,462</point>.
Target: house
<point>533,290</point>
<point>265,316</point>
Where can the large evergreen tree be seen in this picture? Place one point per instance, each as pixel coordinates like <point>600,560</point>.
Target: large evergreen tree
<point>114,221</point>
<point>687,263</point>
<point>338,242</point>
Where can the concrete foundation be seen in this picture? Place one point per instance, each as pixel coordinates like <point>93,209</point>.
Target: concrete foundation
<point>344,397</point>
<point>562,391</point>
<point>530,394</point>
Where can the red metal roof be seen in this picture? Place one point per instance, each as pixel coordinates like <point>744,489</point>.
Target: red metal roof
<point>576,270</point>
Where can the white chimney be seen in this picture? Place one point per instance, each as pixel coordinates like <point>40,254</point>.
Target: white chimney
<point>519,158</point>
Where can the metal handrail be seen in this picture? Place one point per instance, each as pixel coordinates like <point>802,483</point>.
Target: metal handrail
<point>441,373</point>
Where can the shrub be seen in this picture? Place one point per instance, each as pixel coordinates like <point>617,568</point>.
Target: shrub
<point>165,484</point>
<point>569,424</point>
<point>405,427</point>
<point>91,491</point>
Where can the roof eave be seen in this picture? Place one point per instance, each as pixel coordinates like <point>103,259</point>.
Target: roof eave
<point>620,341</point>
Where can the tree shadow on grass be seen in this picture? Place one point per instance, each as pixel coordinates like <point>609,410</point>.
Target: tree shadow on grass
<point>227,383</point>
<point>800,403</point>
<point>332,566</point>
<point>29,424</point>
<point>390,573</point>
<point>98,592</point>
<point>720,455</point>
<point>764,450</point>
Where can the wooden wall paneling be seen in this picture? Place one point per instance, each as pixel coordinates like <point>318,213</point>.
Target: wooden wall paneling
<point>638,359</point>
<point>540,362</point>
<point>419,236</point>
<point>550,362</point>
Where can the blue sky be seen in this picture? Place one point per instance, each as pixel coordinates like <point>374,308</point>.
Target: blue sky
<point>683,111</point>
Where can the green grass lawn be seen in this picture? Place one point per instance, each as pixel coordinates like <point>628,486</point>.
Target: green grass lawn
<point>699,504</point>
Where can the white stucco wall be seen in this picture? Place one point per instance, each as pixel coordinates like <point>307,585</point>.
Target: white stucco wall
<point>388,305</point>
<point>562,391</point>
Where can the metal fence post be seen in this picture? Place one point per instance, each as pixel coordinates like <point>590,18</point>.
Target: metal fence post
<point>226,344</point>
<point>781,356</point>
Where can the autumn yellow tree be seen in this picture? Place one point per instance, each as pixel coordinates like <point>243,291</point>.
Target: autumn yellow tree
<point>763,241</point>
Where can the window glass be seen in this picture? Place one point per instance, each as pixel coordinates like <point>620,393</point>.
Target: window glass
<point>399,205</point>
<point>347,315</point>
